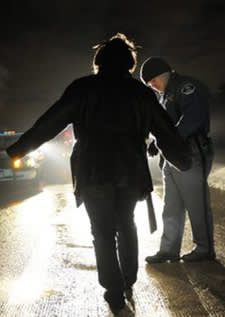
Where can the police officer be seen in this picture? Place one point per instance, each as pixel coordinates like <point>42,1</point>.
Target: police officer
<point>187,102</point>
<point>112,114</point>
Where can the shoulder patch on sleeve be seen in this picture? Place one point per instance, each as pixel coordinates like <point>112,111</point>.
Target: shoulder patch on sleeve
<point>188,89</point>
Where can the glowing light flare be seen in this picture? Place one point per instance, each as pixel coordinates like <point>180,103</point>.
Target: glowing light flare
<point>34,154</point>
<point>35,213</point>
<point>17,163</point>
<point>147,241</point>
<point>32,283</point>
<point>27,288</point>
<point>49,150</point>
<point>79,226</point>
<point>30,162</point>
<point>45,147</point>
<point>141,215</point>
<point>34,217</point>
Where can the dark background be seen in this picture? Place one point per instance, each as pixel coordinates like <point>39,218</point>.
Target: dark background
<point>44,45</point>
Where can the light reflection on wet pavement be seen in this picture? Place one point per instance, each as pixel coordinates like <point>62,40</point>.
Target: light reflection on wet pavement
<point>47,265</point>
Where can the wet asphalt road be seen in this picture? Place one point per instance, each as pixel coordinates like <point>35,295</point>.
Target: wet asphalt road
<point>48,269</point>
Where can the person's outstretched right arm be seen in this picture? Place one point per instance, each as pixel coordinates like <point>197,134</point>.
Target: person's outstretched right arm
<point>52,122</point>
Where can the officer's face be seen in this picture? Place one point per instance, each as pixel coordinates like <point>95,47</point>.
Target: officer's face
<point>157,83</point>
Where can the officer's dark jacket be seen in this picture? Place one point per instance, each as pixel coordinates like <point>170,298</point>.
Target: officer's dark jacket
<point>187,102</point>
<point>111,115</point>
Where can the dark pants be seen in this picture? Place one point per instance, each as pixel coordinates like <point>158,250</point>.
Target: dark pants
<point>111,213</point>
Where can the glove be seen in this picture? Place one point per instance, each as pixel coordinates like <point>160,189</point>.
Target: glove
<point>152,149</point>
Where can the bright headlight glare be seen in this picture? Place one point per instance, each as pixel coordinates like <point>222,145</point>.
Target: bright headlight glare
<point>40,157</point>
<point>45,147</point>
<point>30,162</point>
<point>33,154</point>
<point>17,163</point>
<point>37,154</point>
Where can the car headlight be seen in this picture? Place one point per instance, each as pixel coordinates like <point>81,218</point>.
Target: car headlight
<point>30,162</point>
<point>17,163</point>
<point>36,155</point>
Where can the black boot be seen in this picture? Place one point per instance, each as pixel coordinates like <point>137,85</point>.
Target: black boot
<point>115,300</point>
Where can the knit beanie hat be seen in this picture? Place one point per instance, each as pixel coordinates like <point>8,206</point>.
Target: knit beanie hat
<point>153,67</point>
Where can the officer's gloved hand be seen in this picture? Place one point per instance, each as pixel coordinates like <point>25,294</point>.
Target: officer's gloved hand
<point>152,149</point>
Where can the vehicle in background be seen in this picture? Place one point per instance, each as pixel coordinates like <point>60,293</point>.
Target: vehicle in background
<point>47,165</point>
<point>19,172</point>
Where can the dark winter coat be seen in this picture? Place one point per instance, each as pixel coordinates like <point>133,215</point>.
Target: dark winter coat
<point>186,100</point>
<point>112,115</point>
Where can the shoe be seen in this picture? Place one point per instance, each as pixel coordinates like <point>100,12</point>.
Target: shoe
<point>116,301</point>
<point>196,256</point>
<point>128,293</point>
<point>162,257</point>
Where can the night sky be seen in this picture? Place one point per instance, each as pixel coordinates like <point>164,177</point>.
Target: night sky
<point>44,45</point>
